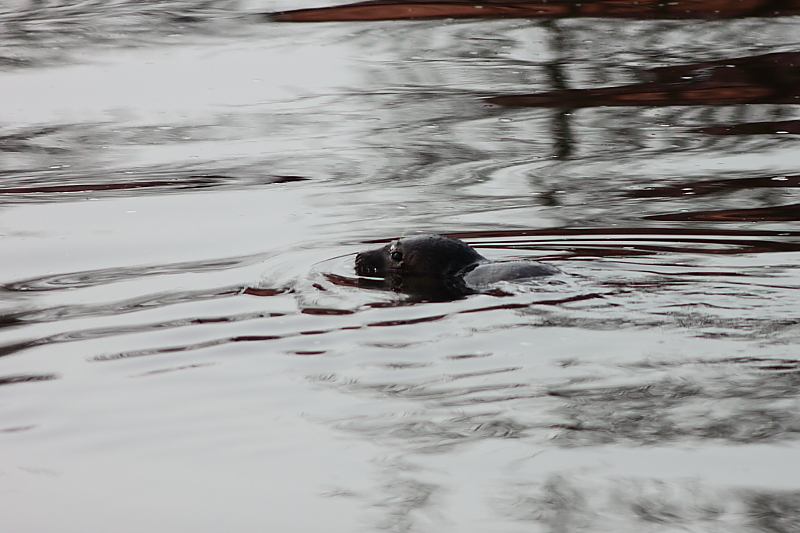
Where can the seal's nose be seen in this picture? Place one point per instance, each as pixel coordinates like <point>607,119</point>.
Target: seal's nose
<point>370,263</point>
<point>362,267</point>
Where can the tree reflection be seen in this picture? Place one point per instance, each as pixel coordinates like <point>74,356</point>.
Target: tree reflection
<point>566,503</point>
<point>432,9</point>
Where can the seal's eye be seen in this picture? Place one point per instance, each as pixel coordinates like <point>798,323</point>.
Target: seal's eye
<point>396,256</point>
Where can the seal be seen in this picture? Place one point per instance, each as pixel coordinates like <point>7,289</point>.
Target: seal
<point>438,267</point>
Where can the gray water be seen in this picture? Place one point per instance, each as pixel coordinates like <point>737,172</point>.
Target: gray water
<point>183,188</point>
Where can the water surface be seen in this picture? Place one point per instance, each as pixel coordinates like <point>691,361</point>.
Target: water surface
<point>184,186</point>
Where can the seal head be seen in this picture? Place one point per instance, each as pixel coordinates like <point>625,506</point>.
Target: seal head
<point>425,255</point>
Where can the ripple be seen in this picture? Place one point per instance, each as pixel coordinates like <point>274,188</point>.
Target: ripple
<point>92,278</point>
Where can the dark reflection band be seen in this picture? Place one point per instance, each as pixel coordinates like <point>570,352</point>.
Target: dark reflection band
<point>455,9</point>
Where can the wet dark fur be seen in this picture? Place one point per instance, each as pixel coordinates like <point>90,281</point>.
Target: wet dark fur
<point>438,268</point>
<point>426,255</point>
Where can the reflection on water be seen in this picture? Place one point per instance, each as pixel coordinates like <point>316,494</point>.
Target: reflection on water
<point>38,33</point>
<point>184,187</point>
<point>565,504</point>
<point>421,9</point>
<point>771,78</point>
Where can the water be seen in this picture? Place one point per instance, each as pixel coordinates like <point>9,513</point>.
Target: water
<point>184,187</point>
